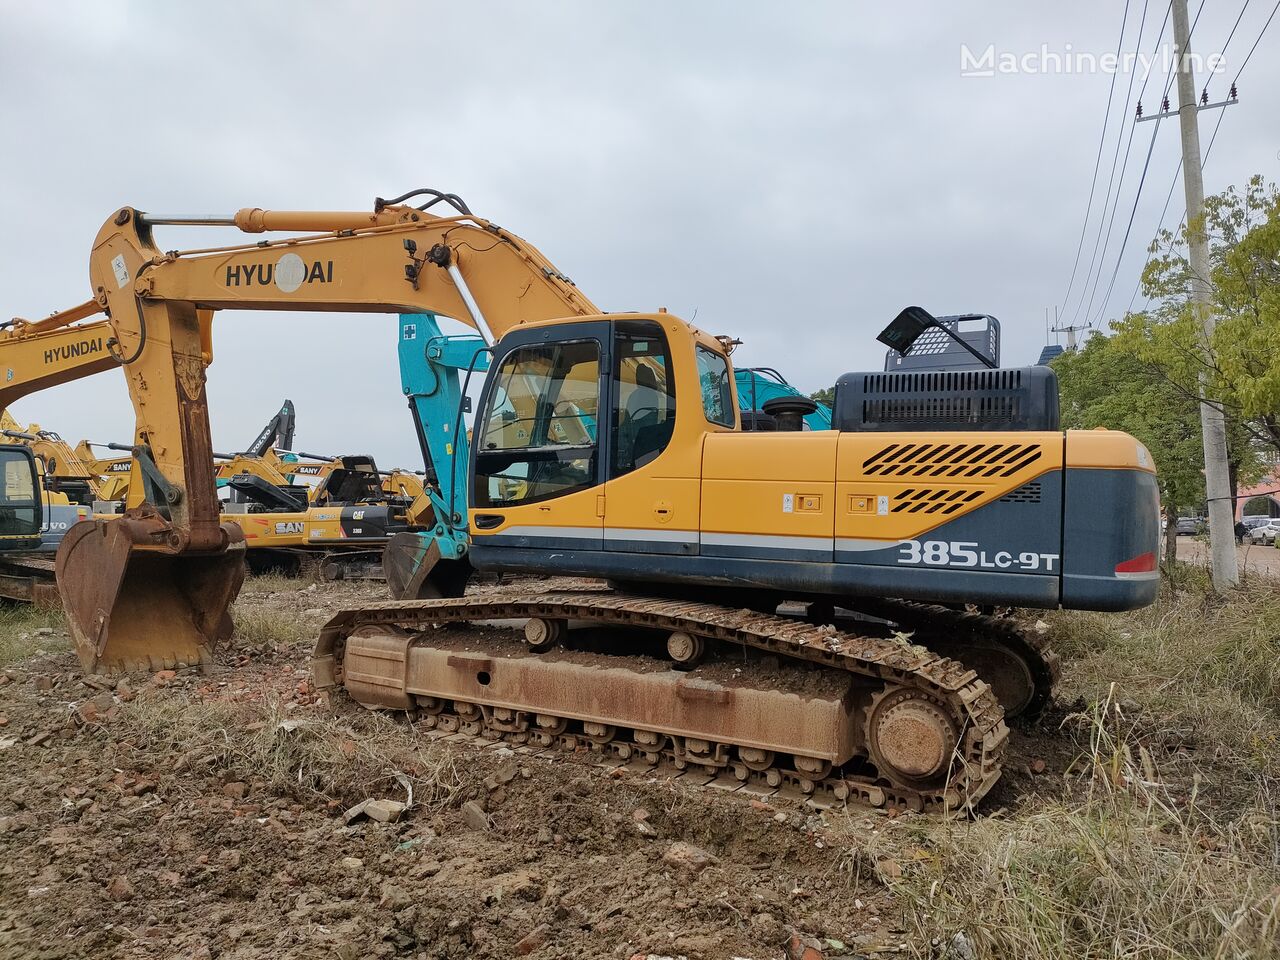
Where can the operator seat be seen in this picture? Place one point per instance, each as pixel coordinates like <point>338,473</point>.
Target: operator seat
<point>648,423</point>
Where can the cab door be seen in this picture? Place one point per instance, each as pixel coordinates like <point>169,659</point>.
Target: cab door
<point>21,509</point>
<point>538,461</point>
<point>652,507</point>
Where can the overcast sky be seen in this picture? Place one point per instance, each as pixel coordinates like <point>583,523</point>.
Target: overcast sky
<point>794,174</point>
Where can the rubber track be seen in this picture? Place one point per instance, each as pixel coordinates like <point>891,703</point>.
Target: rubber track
<point>928,620</point>
<point>969,700</point>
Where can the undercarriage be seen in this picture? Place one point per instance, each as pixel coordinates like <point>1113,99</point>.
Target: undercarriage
<point>864,712</point>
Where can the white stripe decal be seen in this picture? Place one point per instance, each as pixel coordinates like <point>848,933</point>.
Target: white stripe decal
<point>564,533</point>
<point>655,536</point>
<point>767,541</point>
<point>596,533</point>
<point>855,545</point>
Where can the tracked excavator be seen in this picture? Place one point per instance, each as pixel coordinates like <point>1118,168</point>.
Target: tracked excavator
<point>607,446</point>
<point>341,524</point>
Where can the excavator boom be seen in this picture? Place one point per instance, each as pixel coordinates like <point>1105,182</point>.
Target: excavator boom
<point>154,587</point>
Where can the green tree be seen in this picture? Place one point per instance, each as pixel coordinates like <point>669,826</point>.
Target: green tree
<point>826,396</point>
<point>1102,385</point>
<point>1240,366</point>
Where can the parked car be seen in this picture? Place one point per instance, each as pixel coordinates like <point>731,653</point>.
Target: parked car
<point>1189,526</point>
<point>1251,522</point>
<point>1264,532</point>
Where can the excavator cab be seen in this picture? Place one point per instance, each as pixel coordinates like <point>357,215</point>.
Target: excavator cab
<point>21,509</point>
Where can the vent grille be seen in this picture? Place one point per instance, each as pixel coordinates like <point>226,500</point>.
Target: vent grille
<point>933,500</point>
<point>968,460</point>
<point>974,410</point>
<point>1027,493</point>
<point>943,396</point>
<point>934,381</point>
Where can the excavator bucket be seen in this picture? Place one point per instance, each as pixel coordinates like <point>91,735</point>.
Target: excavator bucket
<point>135,604</point>
<point>415,569</point>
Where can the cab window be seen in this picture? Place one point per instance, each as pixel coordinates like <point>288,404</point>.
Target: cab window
<point>645,399</point>
<point>717,395</point>
<point>538,437</point>
<point>19,506</point>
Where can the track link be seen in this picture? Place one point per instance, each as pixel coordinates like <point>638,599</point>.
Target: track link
<point>952,632</point>
<point>943,685</point>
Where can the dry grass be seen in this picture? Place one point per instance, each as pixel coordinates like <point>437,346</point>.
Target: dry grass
<point>270,628</point>
<point>24,631</point>
<point>1196,671</point>
<point>1164,840</point>
<point>347,760</point>
<point>1139,867</point>
<point>275,583</point>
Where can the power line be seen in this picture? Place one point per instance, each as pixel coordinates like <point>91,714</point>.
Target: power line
<point>1249,55</point>
<point>1145,167</point>
<point>1107,203</point>
<point>1234,25</point>
<point>1102,139</point>
<point>1213,137</point>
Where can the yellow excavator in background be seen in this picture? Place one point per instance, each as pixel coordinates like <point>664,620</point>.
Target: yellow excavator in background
<point>66,489</point>
<point>21,519</point>
<point>66,477</point>
<point>608,446</point>
<point>113,472</point>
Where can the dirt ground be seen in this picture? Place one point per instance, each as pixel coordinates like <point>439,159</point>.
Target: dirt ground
<point>118,842</point>
<point>1253,559</point>
<point>201,816</point>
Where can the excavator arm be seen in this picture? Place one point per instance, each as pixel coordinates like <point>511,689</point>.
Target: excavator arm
<point>154,587</point>
<point>36,355</point>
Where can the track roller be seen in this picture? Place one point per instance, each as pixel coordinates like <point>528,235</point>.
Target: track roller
<point>686,650</point>
<point>542,634</point>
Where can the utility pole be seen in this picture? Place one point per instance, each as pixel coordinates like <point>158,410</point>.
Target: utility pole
<point>1222,551</point>
<point>1069,330</point>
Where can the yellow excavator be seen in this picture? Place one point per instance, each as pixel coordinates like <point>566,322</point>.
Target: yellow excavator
<point>66,477</point>
<point>113,472</point>
<point>66,489</point>
<point>608,446</point>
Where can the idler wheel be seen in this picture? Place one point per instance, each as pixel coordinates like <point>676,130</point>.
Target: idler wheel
<point>910,737</point>
<point>1010,675</point>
